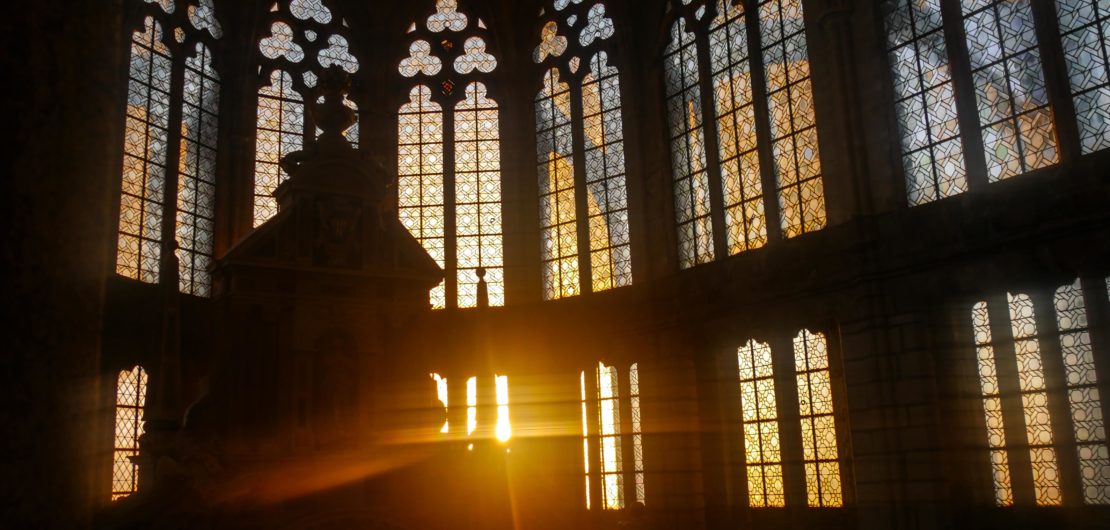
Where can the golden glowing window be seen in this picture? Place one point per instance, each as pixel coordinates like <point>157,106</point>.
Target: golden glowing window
<point>449,157</point>
<point>1054,365</point>
<point>130,399</point>
<point>583,198</point>
<point>170,168</point>
<point>302,38</point>
<point>614,432</point>
<point>502,429</point>
<point>759,419</point>
<point>734,104</point>
<point>820,454</point>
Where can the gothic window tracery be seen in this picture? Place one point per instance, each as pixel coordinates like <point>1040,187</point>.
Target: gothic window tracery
<point>762,449</point>
<point>820,453</point>
<point>1051,388</point>
<point>612,438</point>
<point>131,388</point>
<point>167,198</point>
<point>585,245</point>
<point>301,39</point>
<point>721,206</point>
<point>449,155</point>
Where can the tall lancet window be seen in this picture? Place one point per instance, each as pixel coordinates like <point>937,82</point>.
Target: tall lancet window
<point>130,400</point>
<point>449,155</point>
<point>1037,359</point>
<point>167,189</point>
<point>932,150</point>
<point>301,39</point>
<point>722,201</point>
<point>580,153</point>
<point>1085,26</point>
<point>612,439</point>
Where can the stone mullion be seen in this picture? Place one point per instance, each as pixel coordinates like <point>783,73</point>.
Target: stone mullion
<point>710,143</point>
<point>593,411</point>
<point>762,110</point>
<point>173,164</point>
<point>1095,295</point>
<point>964,88</point>
<point>1056,80</point>
<point>789,418</point>
<point>1009,393</point>
<point>581,203</point>
<point>450,225</point>
<point>1055,374</point>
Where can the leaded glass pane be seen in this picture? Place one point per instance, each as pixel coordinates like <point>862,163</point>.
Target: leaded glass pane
<point>759,421</point>
<point>146,135</point>
<point>1017,122</point>
<point>745,218</point>
<point>478,197</point>
<point>932,153</point>
<point>691,177</point>
<point>1084,25</point>
<point>279,131</point>
<point>196,181</point>
<point>555,158</point>
<point>815,406</point>
<point>131,388</point>
<point>420,177</point>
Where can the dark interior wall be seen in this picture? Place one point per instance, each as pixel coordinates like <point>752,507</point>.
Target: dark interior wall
<point>56,222</point>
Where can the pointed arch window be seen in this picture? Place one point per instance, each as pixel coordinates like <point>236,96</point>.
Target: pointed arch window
<point>449,156</point>
<point>1042,409</point>
<point>750,59</point>
<point>130,400</point>
<point>612,439</point>
<point>167,192</point>
<point>585,245</point>
<point>302,38</point>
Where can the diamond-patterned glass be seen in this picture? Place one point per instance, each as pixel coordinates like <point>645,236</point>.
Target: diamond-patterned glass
<point>1083,393</point>
<point>196,181</point>
<point>146,135</point>
<point>1017,122</point>
<point>759,420</point>
<point>606,195</point>
<point>745,219</point>
<point>1084,26</point>
<point>691,178</point>
<point>793,122</point>
<point>420,177</point>
<point>992,404</point>
<point>478,197</point>
<point>555,158</point>
<point>279,131</point>
<point>130,399</point>
<point>932,153</point>
<point>815,406</point>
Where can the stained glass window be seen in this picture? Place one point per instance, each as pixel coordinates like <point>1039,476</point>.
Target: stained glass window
<point>441,395</point>
<point>1037,390</point>
<point>691,179</point>
<point>793,123</point>
<point>992,405</point>
<point>602,158</point>
<point>303,39</point>
<point>196,183</point>
<point>420,176</point>
<point>614,434</point>
<point>932,151</point>
<point>1084,400</point>
<point>1084,25</point>
<point>745,218</point>
<point>457,189</point>
<point>815,406</point>
<point>146,141</point>
<point>555,156</point>
<point>1016,121</point>
<point>170,169</point>
<point>130,399</point>
<point>279,131</point>
<point>504,428</point>
<point>759,420</point>
<point>478,197</point>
